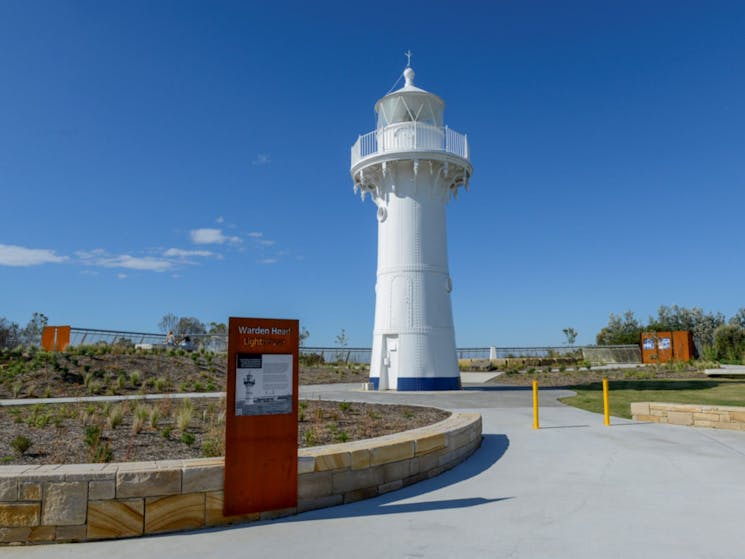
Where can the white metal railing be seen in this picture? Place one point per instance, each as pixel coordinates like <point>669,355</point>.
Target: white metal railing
<point>410,136</point>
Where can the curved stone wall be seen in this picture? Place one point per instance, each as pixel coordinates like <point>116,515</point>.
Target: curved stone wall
<point>79,502</point>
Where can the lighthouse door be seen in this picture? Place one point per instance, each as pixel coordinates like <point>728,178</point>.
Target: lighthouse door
<point>390,362</point>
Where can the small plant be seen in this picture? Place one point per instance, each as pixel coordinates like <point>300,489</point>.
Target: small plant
<point>183,417</point>
<point>91,436</point>
<point>408,414</point>
<point>154,417</point>
<point>213,446</point>
<point>160,384</point>
<point>103,454</point>
<point>345,406</point>
<point>309,438</point>
<point>166,431</point>
<point>115,416</point>
<point>121,382</point>
<point>134,378</point>
<point>20,444</point>
<point>342,436</point>
<point>187,438</point>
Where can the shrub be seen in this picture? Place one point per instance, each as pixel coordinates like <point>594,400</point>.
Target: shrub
<point>729,342</point>
<point>115,416</point>
<point>187,438</point>
<point>213,446</point>
<point>183,418</point>
<point>134,378</point>
<point>154,417</point>
<point>21,444</point>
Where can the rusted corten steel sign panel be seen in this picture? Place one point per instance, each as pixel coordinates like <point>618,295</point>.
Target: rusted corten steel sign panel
<point>261,419</point>
<point>661,347</point>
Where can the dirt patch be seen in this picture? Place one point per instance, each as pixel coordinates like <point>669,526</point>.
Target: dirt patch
<point>176,429</point>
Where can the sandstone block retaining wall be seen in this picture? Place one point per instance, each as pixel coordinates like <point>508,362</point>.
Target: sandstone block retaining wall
<point>717,417</point>
<point>80,502</point>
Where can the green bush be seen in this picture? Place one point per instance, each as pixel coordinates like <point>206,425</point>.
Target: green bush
<point>21,444</point>
<point>729,342</point>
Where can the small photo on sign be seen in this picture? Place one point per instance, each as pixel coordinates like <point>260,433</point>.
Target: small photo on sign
<point>648,343</point>
<point>665,343</point>
<point>263,384</point>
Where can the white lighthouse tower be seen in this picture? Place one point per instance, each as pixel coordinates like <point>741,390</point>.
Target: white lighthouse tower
<point>411,165</point>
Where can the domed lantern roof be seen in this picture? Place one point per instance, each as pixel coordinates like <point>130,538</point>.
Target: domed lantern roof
<point>410,104</point>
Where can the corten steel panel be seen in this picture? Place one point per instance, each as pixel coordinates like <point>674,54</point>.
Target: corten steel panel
<point>664,347</point>
<point>260,450</point>
<point>47,337</point>
<point>55,338</point>
<point>63,337</point>
<point>682,345</point>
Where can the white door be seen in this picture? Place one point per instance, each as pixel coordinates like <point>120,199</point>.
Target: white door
<point>391,362</point>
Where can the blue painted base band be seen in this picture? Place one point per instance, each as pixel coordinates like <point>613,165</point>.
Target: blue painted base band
<point>410,384</point>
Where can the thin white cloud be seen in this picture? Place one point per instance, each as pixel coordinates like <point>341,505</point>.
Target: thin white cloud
<point>262,159</point>
<point>255,235</point>
<point>121,276</point>
<point>208,236</point>
<point>13,255</point>
<point>102,259</point>
<point>146,263</point>
<point>268,261</point>
<point>267,242</point>
<point>180,253</point>
<point>220,219</point>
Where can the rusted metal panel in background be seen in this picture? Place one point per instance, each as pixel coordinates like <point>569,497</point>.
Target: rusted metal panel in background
<point>661,347</point>
<point>261,421</point>
<point>55,338</point>
<point>682,345</point>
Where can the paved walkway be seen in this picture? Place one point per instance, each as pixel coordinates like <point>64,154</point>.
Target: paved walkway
<point>573,489</point>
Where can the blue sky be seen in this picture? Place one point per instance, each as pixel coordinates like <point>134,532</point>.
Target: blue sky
<point>193,158</point>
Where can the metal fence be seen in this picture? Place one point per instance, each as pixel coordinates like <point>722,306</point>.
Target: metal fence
<point>218,343</point>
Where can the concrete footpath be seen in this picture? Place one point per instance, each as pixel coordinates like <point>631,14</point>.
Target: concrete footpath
<point>573,489</point>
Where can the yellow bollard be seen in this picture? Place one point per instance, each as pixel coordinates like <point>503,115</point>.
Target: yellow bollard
<point>535,405</point>
<point>605,401</point>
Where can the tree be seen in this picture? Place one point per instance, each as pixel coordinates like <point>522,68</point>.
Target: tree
<point>9,334</point>
<point>341,339</point>
<point>31,334</point>
<point>218,329</point>
<point>168,323</point>
<point>190,326</point>
<point>571,335</point>
<point>729,342</point>
<point>739,318</point>
<point>624,329</point>
<point>12,335</point>
<point>701,324</point>
<point>304,335</point>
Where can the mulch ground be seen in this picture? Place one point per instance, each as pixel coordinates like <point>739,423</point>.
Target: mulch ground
<point>155,430</point>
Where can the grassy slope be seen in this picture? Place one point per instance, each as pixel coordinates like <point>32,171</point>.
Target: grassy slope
<point>621,393</point>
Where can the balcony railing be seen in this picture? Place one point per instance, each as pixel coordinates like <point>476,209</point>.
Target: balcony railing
<point>410,136</point>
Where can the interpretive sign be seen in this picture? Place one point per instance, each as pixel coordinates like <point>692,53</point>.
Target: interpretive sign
<point>263,384</point>
<point>261,418</point>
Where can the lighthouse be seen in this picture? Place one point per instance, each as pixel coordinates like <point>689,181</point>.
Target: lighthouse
<point>411,165</point>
